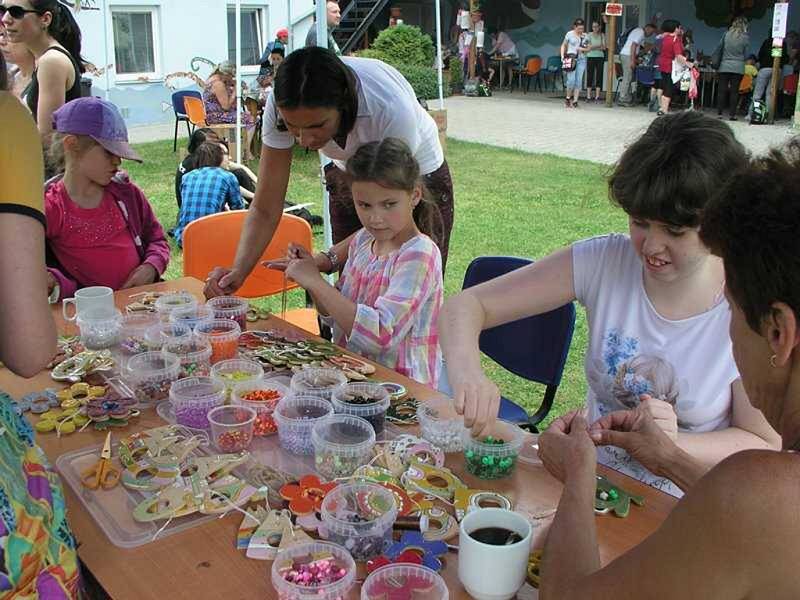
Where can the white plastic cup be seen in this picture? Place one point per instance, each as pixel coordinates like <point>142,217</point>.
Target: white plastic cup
<point>96,296</point>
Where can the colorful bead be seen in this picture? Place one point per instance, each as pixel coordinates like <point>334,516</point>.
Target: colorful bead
<point>489,466</point>
<point>233,441</point>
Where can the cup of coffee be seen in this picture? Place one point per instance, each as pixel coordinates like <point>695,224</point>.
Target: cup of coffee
<point>498,542</point>
<point>96,296</point>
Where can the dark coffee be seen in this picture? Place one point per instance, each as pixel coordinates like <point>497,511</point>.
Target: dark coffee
<point>496,536</point>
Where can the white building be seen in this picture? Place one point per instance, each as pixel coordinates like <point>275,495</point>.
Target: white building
<point>138,45</point>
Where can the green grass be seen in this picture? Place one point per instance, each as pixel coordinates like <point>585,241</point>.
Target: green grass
<point>507,203</point>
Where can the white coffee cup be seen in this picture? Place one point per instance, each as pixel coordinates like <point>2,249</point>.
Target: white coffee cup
<point>487,571</point>
<point>97,296</point>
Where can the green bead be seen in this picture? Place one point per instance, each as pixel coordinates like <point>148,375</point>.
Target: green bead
<point>469,454</point>
<point>613,494</point>
<point>489,439</point>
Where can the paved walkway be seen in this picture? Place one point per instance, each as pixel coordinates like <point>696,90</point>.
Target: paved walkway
<point>538,123</point>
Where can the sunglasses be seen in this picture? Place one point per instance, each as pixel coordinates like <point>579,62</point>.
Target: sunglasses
<point>16,12</point>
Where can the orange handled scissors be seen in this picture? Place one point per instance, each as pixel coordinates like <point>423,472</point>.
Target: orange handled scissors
<point>103,473</point>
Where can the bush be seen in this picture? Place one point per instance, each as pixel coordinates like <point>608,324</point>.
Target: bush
<point>424,80</point>
<point>456,68</point>
<point>404,44</point>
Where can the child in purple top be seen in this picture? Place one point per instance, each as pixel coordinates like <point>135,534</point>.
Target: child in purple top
<point>101,229</point>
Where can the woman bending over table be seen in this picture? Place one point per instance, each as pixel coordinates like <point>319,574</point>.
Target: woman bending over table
<point>734,535</point>
<point>658,319</point>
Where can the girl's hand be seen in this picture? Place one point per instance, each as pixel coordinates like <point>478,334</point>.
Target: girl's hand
<point>478,399</point>
<point>303,270</point>
<point>144,274</point>
<point>663,414</point>
<point>567,451</point>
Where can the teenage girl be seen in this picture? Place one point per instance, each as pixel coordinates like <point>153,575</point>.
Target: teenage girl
<point>386,303</point>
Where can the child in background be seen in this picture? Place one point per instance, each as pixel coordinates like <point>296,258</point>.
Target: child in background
<point>101,229</point>
<point>207,189</point>
<point>386,303</point>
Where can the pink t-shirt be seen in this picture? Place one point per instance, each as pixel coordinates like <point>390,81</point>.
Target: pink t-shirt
<point>94,245</point>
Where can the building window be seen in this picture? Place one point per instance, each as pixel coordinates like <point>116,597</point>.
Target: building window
<point>135,42</point>
<point>252,28</point>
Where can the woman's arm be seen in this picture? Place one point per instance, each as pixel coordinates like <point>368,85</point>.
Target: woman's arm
<point>53,73</point>
<point>225,99</point>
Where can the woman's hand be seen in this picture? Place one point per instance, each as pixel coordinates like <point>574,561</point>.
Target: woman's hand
<point>301,267</point>
<point>663,414</point>
<point>223,281</point>
<point>477,398</point>
<point>566,449</point>
<point>144,274</point>
<point>293,252</point>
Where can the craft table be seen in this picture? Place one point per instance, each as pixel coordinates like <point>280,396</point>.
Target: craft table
<point>203,563</point>
<point>502,63</point>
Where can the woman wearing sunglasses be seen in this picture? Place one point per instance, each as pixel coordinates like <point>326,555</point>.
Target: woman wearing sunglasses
<point>51,33</point>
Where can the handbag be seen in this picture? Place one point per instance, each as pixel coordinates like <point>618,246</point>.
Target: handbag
<point>569,63</point>
<point>716,56</point>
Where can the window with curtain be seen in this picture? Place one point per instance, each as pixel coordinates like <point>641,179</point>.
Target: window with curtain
<point>134,42</point>
<point>251,33</point>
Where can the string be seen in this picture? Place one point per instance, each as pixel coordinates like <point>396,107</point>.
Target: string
<point>283,298</point>
<point>162,528</point>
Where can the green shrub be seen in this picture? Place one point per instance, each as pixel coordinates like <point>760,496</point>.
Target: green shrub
<point>424,80</point>
<point>456,68</point>
<point>371,53</point>
<point>404,44</point>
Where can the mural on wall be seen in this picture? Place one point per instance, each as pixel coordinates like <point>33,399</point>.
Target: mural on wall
<point>719,13</point>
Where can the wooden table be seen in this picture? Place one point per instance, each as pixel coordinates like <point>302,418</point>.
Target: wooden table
<point>502,63</point>
<point>202,562</point>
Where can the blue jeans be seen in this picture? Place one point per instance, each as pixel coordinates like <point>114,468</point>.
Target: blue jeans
<point>575,78</point>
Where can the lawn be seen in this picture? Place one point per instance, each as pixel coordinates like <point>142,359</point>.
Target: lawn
<point>507,203</point>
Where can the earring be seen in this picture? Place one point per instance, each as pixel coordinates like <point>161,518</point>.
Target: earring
<point>772,360</point>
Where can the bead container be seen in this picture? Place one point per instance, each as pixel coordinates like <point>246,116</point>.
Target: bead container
<point>150,376</point>
<point>263,397</point>
<point>194,355</point>
<point>296,417</point>
<point>230,307</point>
<point>231,427</point>
<point>366,400</point>
<point>441,425</point>
<point>133,336</point>
<point>317,382</point>
<point>494,454</point>
<point>168,303</point>
<point>192,398</point>
<point>317,570</point>
<point>234,371</point>
<point>100,328</point>
<point>359,517</point>
<point>223,335</point>
<point>342,443</point>
<point>167,333</point>
<point>404,581</point>
<point>192,316</point>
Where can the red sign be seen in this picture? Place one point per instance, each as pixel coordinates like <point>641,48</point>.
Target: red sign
<point>613,10</point>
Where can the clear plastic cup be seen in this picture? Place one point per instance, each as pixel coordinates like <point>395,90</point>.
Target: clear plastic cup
<point>223,335</point>
<point>100,328</point>
<point>342,443</point>
<point>494,454</point>
<point>231,427</point>
<point>168,303</point>
<point>317,381</point>
<point>234,371</point>
<point>192,398</point>
<point>359,517</point>
<point>192,316</point>
<point>194,354</point>
<point>150,376</point>
<point>133,335</point>
<point>441,425</point>
<point>296,417</point>
<point>262,396</point>
<point>406,581</point>
<point>369,401</point>
<point>295,557</point>
<point>167,333</point>
<point>230,307</point>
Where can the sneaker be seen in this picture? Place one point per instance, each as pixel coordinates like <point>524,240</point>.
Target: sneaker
<point>568,103</point>
<point>660,113</point>
<point>574,105</point>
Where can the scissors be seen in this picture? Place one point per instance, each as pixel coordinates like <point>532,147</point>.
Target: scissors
<point>103,473</point>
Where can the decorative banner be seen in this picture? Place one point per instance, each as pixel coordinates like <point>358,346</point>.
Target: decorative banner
<point>777,51</point>
<point>613,10</point>
<point>779,19</point>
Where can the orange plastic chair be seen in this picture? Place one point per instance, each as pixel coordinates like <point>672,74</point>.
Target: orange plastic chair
<point>532,70</point>
<point>195,110</point>
<point>211,241</point>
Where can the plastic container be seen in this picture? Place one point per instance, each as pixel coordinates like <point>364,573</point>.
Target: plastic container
<point>231,427</point>
<point>100,328</point>
<point>317,382</point>
<point>359,517</point>
<point>441,425</point>
<point>230,307</point>
<point>404,581</point>
<point>296,417</point>
<point>223,335</point>
<point>369,401</point>
<point>263,397</point>
<point>234,371</point>
<point>192,316</point>
<point>494,454</point>
<point>342,443</point>
<point>192,398</point>
<point>295,557</point>
<point>150,376</point>
<point>167,333</point>
<point>168,303</point>
<point>133,335</point>
<point>194,355</point>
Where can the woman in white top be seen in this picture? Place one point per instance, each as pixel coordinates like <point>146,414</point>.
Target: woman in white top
<point>658,319</point>
<point>575,45</point>
<point>334,105</point>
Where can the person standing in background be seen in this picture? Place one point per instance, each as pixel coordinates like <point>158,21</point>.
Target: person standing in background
<point>735,45</point>
<point>334,14</point>
<point>627,57</point>
<point>595,58</point>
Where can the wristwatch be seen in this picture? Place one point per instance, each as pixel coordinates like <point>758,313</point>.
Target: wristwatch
<point>332,256</point>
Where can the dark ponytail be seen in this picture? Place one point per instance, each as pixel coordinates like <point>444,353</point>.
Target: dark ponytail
<point>63,28</point>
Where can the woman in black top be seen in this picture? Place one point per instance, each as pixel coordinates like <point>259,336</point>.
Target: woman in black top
<point>51,33</point>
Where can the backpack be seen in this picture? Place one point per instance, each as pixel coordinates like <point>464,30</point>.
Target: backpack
<point>622,38</point>
<point>758,112</point>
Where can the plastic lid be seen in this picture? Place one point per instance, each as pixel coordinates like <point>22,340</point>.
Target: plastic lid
<point>510,433</point>
<point>192,316</point>
<point>376,391</point>
<point>189,351</point>
<point>153,364</point>
<point>372,503</point>
<point>243,388</point>
<point>317,380</point>
<point>304,554</point>
<point>231,416</point>
<point>404,581</point>
<point>167,303</point>
<point>100,316</point>
<point>301,411</point>
<point>235,370</point>
<point>344,435</point>
<point>219,330</point>
<point>226,306</point>
<point>196,389</point>
<point>163,333</point>
<point>138,323</point>
<point>439,412</point>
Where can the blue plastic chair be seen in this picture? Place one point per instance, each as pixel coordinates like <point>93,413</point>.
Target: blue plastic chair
<point>180,113</point>
<point>553,68</point>
<point>534,348</point>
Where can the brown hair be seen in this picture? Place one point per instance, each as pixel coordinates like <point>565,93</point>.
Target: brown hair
<point>57,154</point>
<point>3,74</point>
<point>391,164</point>
<point>208,154</point>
